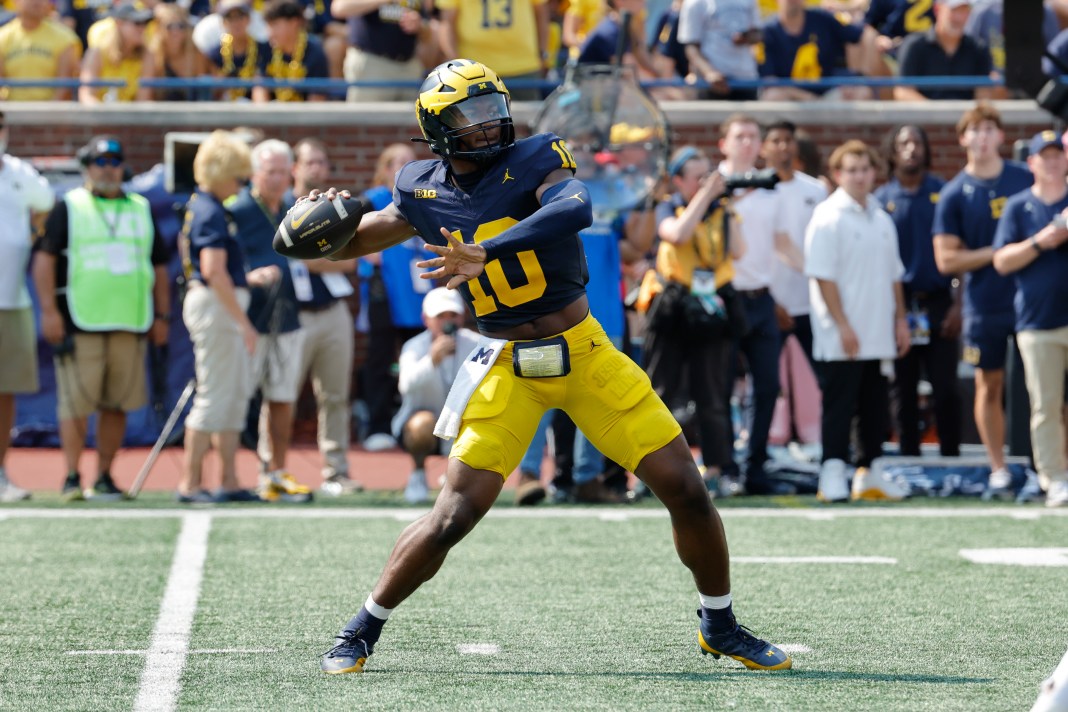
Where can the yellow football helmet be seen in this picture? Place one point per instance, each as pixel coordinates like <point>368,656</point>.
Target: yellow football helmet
<point>463,99</point>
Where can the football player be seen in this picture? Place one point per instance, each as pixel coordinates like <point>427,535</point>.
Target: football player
<point>503,216</point>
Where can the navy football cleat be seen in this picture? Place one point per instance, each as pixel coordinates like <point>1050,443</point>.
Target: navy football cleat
<point>743,646</point>
<point>349,653</point>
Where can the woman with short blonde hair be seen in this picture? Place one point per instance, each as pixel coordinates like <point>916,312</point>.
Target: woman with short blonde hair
<point>214,313</point>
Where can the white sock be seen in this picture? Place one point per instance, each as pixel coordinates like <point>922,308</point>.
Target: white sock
<point>713,602</point>
<point>376,610</point>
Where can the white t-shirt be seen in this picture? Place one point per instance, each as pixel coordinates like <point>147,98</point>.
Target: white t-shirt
<point>22,189</point>
<point>713,23</point>
<point>757,214</point>
<point>856,248</point>
<point>798,197</point>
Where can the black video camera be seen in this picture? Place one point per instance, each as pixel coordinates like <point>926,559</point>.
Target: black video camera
<point>448,328</point>
<point>766,178</point>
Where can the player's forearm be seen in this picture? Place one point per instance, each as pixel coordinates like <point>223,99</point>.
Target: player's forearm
<point>1014,257</point>
<point>325,266</point>
<point>566,210</point>
<point>377,231</point>
<point>958,259</point>
<point>833,299</point>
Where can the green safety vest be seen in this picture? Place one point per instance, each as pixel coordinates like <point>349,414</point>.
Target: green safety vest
<point>109,262</point>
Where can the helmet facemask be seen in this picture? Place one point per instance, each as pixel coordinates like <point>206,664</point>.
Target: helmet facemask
<point>464,112</point>
<point>478,128</point>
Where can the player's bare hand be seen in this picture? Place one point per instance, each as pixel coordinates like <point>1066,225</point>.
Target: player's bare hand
<point>902,337</point>
<point>458,261</point>
<point>264,276</point>
<point>329,194</point>
<point>850,343</point>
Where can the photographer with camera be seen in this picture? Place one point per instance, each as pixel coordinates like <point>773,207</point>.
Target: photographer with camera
<point>1031,244</point>
<point>429,363</point>
<point>689,335</point>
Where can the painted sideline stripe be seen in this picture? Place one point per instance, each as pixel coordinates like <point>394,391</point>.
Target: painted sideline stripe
<point>261,511</point>
<point>478,648</point>
<point>1029,556</point>
<point>813,560</point>
<point>170,639</point>
<point>205,651</point>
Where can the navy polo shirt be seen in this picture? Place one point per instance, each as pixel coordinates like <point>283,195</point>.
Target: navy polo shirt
<point>913,214</point>
<point>378,32</point>
<point>817,51</point>
<point>255,232</point>
<point>667,41</point>
<point>208,225</point>
<point>922,56</point>
<point>601,42</point>
<point>1042,286</point>
<point>970,208</point>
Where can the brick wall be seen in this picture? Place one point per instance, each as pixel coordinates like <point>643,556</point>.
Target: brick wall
<point>357,134</point>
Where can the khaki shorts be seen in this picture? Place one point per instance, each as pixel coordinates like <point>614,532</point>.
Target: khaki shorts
<point>276,366</point>
<point>105,372</point>
<point>221,361</point>
<point>18,351</point>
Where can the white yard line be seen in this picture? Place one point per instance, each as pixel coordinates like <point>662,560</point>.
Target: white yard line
<point>205,651</point>
<point>478,648</point>
<point>794,648</point>
<point>167,652</point>
<point>255,511</point>
<point>812,560</point>
<point>1033,556</point>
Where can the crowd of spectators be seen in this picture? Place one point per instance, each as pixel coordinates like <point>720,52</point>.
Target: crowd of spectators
<point>724,49</point>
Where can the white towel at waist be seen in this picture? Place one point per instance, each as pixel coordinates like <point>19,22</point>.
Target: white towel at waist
<point>475,367</point>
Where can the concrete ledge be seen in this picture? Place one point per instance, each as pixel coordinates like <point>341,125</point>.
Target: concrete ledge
<point>209,115</point>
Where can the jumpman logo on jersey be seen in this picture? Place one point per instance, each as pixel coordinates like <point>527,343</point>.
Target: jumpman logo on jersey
<point>507,177</point>
<point>578,197</point>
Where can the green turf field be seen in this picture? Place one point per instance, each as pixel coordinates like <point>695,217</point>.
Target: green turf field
<point>558,609</point>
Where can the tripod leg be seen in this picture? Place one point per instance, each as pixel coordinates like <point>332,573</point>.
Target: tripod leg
<point>172,420</point>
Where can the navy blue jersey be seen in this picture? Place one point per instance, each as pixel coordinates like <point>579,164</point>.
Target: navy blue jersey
<point>667,41</point>
<point>1041,287</point>
<point>913,214</point>
<point>600,44</point>
<point>970,208</point>
<point>817,51</point>
<point>897,18</point>
<point>517,288</point>
<point>209,225</point>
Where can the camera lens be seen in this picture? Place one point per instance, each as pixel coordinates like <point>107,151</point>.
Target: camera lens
<point>448,328</point>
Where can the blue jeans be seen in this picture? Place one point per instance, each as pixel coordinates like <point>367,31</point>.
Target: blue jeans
<point>588,460</point>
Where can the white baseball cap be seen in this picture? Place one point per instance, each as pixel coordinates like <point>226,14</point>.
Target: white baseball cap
<point>441,300</point>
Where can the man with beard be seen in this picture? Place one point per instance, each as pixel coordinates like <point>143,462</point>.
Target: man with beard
<point>100,271</point>
<point>321,287</point>
<point>933,305</point>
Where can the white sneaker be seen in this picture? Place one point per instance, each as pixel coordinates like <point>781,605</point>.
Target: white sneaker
<point>416,491</point>
<point>999,485</point>
<point>339,484</point>
<point>871,486</point>
<point>379,442</point>
<point>833,484</point>
<point>1053,694</point>
<point>10,492</point>
<point>1057,496</point>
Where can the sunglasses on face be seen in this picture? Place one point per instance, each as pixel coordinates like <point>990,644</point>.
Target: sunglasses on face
<point>111,161</point>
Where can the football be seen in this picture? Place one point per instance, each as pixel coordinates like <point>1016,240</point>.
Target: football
<point>313,229</point>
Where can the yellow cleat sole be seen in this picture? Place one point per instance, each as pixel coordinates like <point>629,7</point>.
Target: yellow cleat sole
<point>873,496</point>
<point>358,667</point>
<point>706,649</point>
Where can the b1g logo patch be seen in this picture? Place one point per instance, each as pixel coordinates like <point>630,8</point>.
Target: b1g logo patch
<point>425,193</point>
